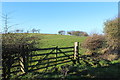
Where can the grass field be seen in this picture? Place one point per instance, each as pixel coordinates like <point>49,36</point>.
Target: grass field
<point>48,40</point>
<point>83,70</point>
<point>52,40</point>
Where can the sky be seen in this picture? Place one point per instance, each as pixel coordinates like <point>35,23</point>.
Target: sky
<point>51,17</point>
<point>60,0</point>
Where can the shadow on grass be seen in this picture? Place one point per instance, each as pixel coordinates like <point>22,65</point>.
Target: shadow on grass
<point>112,72</point>
<point>97,73</point>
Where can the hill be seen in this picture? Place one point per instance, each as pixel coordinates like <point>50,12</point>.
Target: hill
<point>53,40</point>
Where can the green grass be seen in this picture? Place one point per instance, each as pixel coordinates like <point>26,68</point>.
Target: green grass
<point>58,40</point>
<point>53,40</point>
<point>82,70</point>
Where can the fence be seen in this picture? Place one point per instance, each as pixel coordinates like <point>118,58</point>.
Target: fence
<point>39,60</point>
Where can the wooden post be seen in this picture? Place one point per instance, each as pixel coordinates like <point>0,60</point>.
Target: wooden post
<point>22,65</point>
<point>76,50</point>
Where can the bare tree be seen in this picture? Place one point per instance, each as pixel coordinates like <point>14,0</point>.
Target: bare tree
<point>38,30</point>
<point>6,23</point>
<point>35,30</point>
<point>27,31</point>
<point>21,30</point>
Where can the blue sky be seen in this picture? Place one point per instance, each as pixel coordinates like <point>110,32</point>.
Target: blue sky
<point>50,17</point>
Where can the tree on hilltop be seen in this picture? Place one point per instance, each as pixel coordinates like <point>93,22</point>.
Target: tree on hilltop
<point>61,32</point>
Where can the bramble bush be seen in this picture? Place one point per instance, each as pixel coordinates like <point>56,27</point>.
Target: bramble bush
<point>15,45</point>
<point>94,42</point>
<point>112,32</point>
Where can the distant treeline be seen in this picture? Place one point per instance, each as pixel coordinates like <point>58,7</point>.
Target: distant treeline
<point>75,33</point>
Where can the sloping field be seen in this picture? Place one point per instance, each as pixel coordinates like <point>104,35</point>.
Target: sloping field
<point>53,40</point>
<point>44,66</point>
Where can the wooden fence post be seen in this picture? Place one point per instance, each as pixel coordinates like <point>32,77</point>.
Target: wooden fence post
<point>76,50</point>
<point>24,63</point>
<point>56,54</point>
